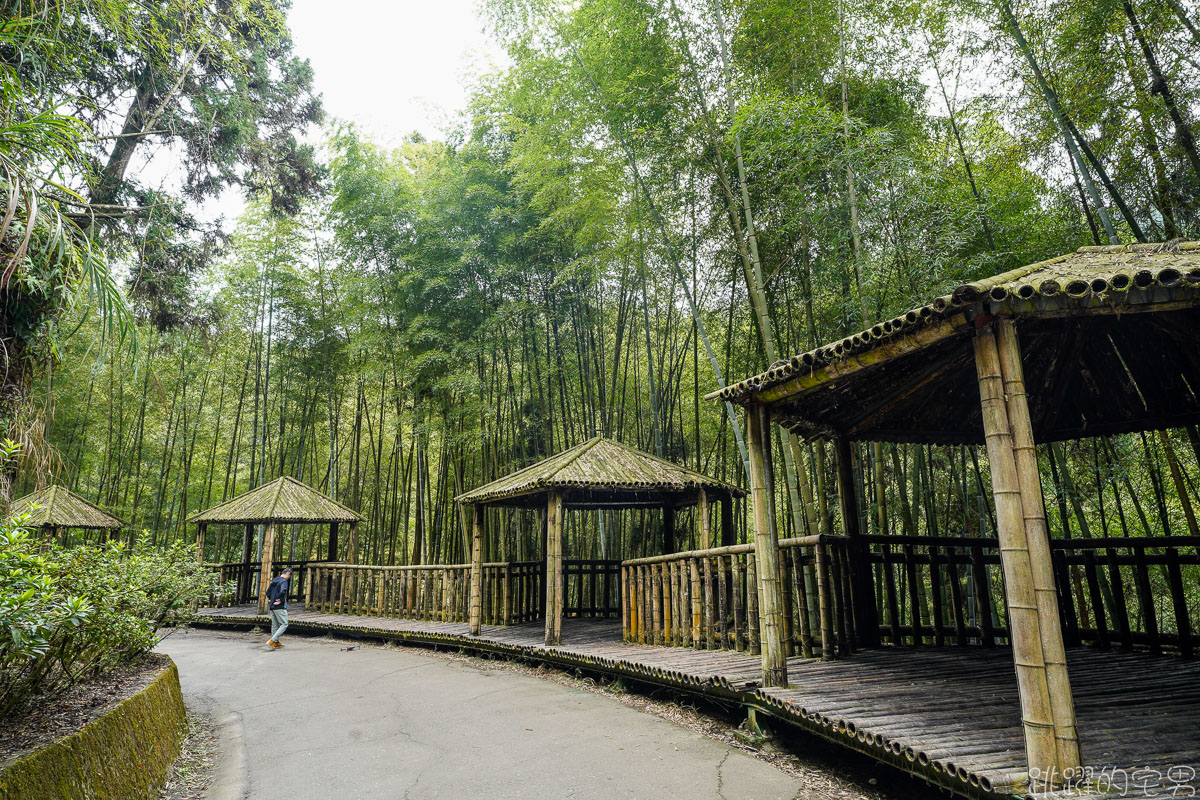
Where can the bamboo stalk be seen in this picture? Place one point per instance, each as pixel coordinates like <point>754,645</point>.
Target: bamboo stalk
<point>825,604</point>
<point>754,641</point>
<point>625,605</point>
<point>1038,541</point>
<point>1037,717</point>
<point>774,659</point>
<point>697,605</point>
<point>264,575</point>
<point>476,601</point>
<point>201,529</point>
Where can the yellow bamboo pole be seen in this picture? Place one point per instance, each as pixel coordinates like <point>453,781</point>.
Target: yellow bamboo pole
<point>554,578</point>
<point>703,520</point>
<point>352,556</point>
<point>766,542</point>
<point>1037,535</point>
<point>694,577</point>
<point>264,574</point>
<point>476,613</point>
<point>1037,718</point>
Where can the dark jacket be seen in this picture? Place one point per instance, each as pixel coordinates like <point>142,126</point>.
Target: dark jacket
<point>278,590</point>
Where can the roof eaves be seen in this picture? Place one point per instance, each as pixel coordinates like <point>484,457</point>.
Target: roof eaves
<point>978,295</point>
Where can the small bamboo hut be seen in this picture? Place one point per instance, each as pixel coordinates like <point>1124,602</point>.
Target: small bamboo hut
<point>1109,342</point>
<point>282,501</point>
<point>597,474</point>
<point>56,509</point>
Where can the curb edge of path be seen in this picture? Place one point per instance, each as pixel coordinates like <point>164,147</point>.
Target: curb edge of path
<point>231,779</point>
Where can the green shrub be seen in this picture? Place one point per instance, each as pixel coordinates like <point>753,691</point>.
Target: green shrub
<point>69,614</point>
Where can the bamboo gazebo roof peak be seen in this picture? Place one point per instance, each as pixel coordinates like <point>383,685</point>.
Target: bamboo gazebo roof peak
<point>59,507</point>
<point>910,378</point>
<point>599,467</point>
<point>284,499</point>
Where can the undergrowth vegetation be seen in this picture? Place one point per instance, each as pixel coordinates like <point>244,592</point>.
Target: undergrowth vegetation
<point>69,614</point>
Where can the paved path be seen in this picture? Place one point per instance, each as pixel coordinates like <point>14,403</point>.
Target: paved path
<point>318,723</point>
<point>904,706</point>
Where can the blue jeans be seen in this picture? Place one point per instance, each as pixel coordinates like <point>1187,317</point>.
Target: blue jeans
<point>279,622</point>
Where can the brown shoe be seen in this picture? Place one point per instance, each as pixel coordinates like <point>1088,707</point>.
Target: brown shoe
<point>272,643</point>
<point>279,644</point>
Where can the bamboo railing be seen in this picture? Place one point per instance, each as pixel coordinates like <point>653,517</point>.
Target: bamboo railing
<point>962,573</point>
<point>818,613</point>
<point>708,599</point>
<point>511,591</point>
<point>705,599</point>
<point>591,588</point>
<point>1126,592</point>
<point>1130,591</point>
<point>244,576</point>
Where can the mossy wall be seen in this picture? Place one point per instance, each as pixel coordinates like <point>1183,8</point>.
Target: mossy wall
<point>123,755</point>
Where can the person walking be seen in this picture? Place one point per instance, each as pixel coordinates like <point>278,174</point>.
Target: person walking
<point>277,594</point>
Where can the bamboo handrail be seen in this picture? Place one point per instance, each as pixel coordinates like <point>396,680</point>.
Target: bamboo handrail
<point>735,549</point>
<point>440,592</point>
<point>708,599</point>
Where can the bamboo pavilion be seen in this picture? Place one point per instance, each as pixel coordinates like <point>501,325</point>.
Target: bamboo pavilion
<point>597,474</point>
<point>1101,341</point>
<point>993,660</point>
<point>282,501</point>
<point>56,509</point>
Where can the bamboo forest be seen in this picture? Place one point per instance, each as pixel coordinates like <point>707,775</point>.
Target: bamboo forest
<point>749,279</point>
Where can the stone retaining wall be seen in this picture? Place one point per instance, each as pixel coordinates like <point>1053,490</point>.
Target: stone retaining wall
<point>122,755</point>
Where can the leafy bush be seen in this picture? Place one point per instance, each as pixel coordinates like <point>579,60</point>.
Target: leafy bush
<point>69,614</point>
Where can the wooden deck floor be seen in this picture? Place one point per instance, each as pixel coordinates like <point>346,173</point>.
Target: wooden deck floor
<point>949,715</point>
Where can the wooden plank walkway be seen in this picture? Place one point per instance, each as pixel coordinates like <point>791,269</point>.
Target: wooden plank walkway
<point>949,715</point>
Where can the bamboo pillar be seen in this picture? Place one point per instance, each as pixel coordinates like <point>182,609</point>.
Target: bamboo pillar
<point>728,535</point>
<point>1033,686</point>
<point>332,549</point>
<point>244,587</point>
<point>541,523</point>
<point>554,578</point>
<point>866,616</point>
<point>201,529</point>
<point>352,555</point>
<point>1037,534</point>
<point>264,575</point>
<point>668,532</point>
<point>247,543</point>
<point>704,524</point>
<point>476,608</point>
<point>766,542</point>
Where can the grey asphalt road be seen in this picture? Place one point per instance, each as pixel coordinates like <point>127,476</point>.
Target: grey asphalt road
<point>312,722</point>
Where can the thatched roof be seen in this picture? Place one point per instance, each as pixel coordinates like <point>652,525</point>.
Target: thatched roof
<point>62,508</point>
<point>601,472</point>
<point>1097,360</point>
<point>284,499</point>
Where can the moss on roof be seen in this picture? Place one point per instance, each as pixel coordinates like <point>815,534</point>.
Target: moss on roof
<point>59,507</point>
<point>603,465</point>
<point>1089,280</point>
<point>284,499</point>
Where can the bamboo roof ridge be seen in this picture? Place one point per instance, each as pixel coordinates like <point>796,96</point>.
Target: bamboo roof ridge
<point>600,470</point>
<point>59,507</point>
<point>1079,306</point>
<point>284,499</point>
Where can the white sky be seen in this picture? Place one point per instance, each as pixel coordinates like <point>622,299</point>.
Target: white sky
<point>393,66</point>
<point>389,66</point>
